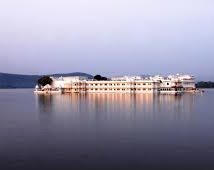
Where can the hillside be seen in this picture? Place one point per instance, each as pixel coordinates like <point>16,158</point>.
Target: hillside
<point>203,84</point>
<point>28,81</point>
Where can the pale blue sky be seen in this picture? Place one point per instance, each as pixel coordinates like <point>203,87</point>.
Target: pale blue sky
<point>110,37</point>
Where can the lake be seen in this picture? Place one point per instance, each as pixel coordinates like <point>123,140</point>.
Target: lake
<point>106,131</point>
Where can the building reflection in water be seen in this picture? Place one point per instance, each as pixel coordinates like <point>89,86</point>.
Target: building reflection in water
<point>116,107</point>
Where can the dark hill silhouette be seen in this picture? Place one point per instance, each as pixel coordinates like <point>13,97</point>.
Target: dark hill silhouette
<point>29,81</point>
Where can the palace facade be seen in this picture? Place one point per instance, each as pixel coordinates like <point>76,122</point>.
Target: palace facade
<point>173,84</point>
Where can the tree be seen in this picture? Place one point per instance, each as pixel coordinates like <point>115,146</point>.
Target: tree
<point>43,81</point>
<point>99,78</point>
<point>104,78</point>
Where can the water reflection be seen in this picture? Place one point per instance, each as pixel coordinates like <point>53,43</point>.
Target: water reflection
<point>44,103</point>
<point>112,131</point>
<point>116,106</point>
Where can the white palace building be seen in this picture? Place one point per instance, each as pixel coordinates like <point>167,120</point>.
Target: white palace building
<point>173,84</point>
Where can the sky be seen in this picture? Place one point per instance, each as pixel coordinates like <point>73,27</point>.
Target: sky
<point>107,37</point>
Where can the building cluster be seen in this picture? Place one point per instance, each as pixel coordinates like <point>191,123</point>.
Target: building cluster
<point>172,84</point>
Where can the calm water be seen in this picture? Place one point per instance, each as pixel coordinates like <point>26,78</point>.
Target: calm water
<point>106,131</point>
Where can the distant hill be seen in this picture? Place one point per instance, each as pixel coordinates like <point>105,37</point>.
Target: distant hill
<point>29,81</point>
<point>203,84</point>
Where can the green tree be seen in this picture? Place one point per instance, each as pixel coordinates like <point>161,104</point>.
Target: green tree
<point>99,77</point>
<point>44,81</point>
